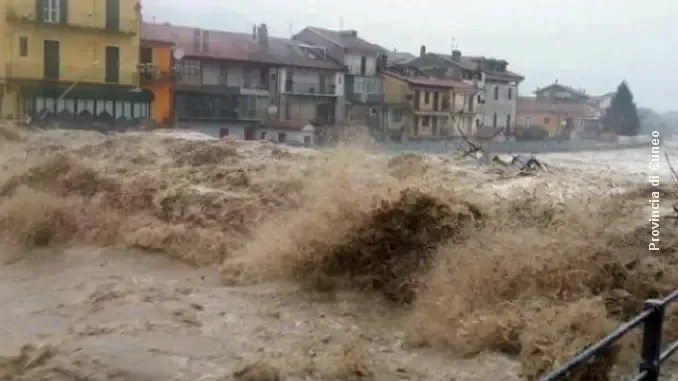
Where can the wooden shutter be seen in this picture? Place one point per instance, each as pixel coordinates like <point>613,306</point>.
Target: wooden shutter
<point>39,11</point>
<point>63,10</point>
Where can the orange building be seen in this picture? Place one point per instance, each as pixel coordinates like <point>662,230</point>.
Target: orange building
<point>157,76</point>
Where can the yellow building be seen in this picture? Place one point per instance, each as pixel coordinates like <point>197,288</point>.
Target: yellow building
<point>72,61</point>
<point>427,107</point>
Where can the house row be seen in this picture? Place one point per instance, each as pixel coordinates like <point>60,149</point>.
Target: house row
<point>559,111</point>
<point>98,62</point>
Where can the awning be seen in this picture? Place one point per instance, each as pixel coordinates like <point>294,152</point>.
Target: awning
<point>88,91</point>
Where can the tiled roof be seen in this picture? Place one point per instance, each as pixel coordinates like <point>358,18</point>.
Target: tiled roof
<point>236,47</point>
<point>434,82</point>
<point>347,40</point>
<point>472,63</point>
<point>290,52</point>
<point>397,58</point>
<point>222,45</point>
<point>564,87</point>
<point>534,106</point>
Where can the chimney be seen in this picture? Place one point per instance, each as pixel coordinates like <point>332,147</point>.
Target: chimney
<point>205,41</point>
<point>422,51</point>
<point>349,32</point>
<point>196,40</point>
<point>263,35</point>
<point>456,55</point>
<point>254,32</point>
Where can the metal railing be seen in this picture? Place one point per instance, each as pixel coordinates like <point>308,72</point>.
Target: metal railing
<point>652,319</point>
<point>310,88</point>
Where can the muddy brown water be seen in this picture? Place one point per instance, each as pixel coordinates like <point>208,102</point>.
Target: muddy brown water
<point>135,316</point>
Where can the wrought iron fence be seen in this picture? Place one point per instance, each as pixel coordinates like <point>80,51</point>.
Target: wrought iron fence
<point>652,319</point>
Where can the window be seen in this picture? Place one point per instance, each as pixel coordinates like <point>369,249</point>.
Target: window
<point>262,136</point>
<point>426,121</point>
<point>113,15</point>
<point>547,120</point>
<point>508,122</point>
<point>51,11</point>
<point>146,54</point>
<point>112,64</point>
<point>427,97</point>
<point>307,141</point>
<point>23,46</point>
<point>494,119</point>
<point>528,122</point>
<point>282,137</point>
<point>51,59</point>
<point>190,72</point>
<point>496,93</point>
<point>510,93</point>
<point>396,115</point>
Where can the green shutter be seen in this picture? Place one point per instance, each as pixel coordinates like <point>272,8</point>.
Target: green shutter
<point>39,8</point>
<point>63,17</point>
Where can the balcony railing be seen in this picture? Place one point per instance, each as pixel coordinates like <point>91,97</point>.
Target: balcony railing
<point>24,12</point>
<point>310,88</point>
<point>150,74</point>
<point>365,98</point>
<point>21,71</point>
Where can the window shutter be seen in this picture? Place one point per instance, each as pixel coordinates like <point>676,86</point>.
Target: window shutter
<point>39,11</point>
<point>63,9</point>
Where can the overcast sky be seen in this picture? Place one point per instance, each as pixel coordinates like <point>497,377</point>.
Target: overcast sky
<point>591,44</point>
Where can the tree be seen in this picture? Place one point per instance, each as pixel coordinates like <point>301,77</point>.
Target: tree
<point>622,116</point>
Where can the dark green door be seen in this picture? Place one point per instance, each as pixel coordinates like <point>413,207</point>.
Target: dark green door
<point>51,59</point>
<point>113,15</point>
<point>112,64</point>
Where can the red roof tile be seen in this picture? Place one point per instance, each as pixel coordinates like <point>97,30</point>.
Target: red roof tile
<point>222,45</point>
<point>435,82</point>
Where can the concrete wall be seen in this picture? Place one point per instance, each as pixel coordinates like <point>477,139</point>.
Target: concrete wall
<point>503,107</point>
<point>395,90</point>
<point>83,41</point>
<point>354,62</point>
<point>161,107</point>
<point>237,132</point>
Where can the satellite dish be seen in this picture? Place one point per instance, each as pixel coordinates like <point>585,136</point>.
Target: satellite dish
<point>178,53</point>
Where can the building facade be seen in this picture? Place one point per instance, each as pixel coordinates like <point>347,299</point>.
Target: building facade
<point>310,85</point>
<point>497,101</point>
<point>71,62</point>
<point>157,75</point>
<point>539,119</point>
<point>424,107</point>
<point>223,81</point>
<point>363,87</point>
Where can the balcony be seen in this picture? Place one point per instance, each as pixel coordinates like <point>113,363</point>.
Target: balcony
<point>312,89</point>
<point>253,88</point>
<point>364,98</point>
<point>24,71</point>
<point>149,75</point>
<point>24,13</point>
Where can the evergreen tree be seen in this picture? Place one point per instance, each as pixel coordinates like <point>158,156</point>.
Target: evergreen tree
<point>622,116</point>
